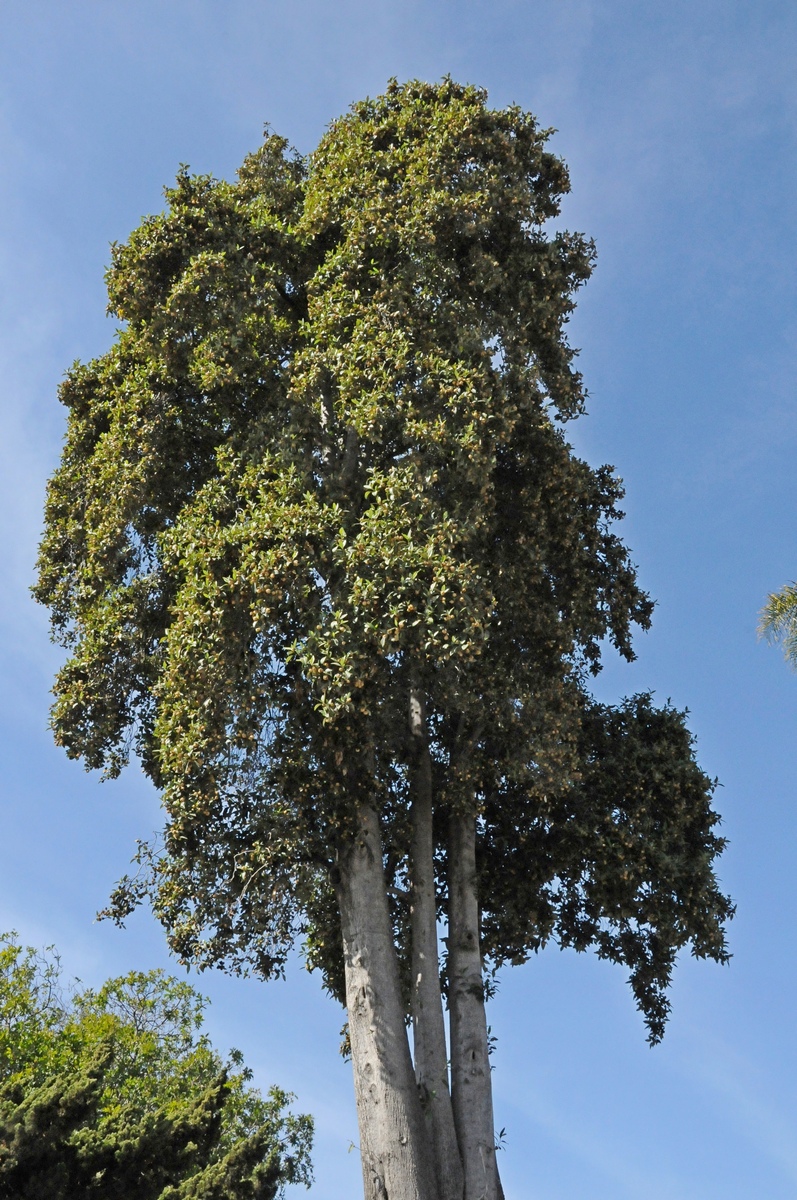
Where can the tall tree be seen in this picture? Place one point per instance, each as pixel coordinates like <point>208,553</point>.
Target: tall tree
<point>322,555</point>
<point>117,1093</point>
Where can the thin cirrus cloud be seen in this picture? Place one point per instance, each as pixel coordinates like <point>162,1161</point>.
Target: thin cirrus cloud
<point>737,1084</point>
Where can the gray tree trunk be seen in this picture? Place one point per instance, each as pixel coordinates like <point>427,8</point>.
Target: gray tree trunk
<point>396,1157</point>
<point>471,1083</point>
<point>428,1022</point>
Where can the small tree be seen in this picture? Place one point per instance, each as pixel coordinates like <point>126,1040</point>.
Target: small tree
<point>322,555</point>
<point>117,1093</point>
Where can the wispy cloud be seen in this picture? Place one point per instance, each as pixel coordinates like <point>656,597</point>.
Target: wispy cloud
<point>745,1092</point>
<point>623,1172</point>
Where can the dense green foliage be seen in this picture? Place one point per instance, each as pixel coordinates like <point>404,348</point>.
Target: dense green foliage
<point>117,1093</point>
<point>323,464</point>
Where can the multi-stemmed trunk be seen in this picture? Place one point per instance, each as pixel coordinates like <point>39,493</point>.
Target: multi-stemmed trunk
<point>471,1085</point>
<point>418,1139</point>
<point>428,1022</point>
<point>394,1146</point>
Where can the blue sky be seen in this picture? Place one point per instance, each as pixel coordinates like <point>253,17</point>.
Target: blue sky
<point>679,123</point>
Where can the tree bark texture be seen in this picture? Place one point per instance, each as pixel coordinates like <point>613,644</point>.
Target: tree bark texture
<point>394,1147</point>
<point>428,1022</point>
<point>471,1083</point>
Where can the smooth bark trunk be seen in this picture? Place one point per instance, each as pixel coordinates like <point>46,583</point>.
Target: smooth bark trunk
<point>471,1083</point>
<point>396,1157</point>
<point>428,1022</point>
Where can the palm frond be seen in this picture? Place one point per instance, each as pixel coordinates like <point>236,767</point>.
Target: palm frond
<point>778,621</point>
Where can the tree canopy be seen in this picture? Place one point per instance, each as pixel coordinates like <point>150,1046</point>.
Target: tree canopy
<point>323,557</point>
<point>116,1092</point>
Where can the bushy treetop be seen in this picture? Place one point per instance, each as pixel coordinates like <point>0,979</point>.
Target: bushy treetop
<point>118,1092</point>
<point>324,463</point>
